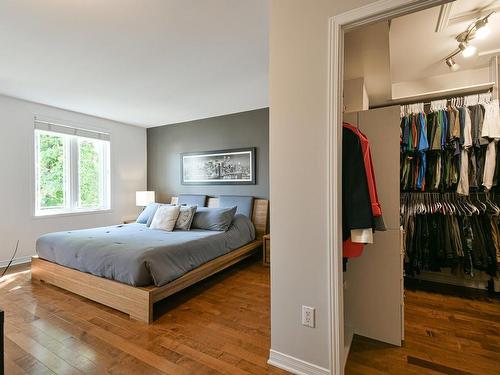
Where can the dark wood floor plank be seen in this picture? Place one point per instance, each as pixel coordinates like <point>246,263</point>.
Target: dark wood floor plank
<point>443,335</point>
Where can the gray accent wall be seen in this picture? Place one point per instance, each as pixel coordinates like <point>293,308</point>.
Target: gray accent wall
<point>166,143</point>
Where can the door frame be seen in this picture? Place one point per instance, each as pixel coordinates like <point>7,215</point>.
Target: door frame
<point>371,13</point>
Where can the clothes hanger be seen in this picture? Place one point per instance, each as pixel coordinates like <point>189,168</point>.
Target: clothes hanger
<point>473,207</point>
<point>494,209</point>
<point>480,205</point>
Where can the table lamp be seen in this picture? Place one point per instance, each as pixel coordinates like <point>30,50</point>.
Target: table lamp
<point>143,198</point>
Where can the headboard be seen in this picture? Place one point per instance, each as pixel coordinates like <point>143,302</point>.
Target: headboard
<point>260,213</point>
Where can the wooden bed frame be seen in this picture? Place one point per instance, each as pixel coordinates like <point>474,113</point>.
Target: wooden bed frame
<point>138,302</point>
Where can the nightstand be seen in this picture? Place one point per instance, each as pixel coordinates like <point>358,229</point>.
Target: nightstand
<point>266,250</point>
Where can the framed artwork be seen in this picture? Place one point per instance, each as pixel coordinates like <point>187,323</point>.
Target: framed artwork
<point>223,167</point>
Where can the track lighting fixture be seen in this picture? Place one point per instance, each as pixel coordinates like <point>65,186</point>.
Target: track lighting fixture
<point>482,32</point>
<point>468,50</point>
<point>452,64</point>
<point>479,29</point>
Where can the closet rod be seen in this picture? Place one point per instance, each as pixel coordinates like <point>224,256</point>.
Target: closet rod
<point>427,100</point>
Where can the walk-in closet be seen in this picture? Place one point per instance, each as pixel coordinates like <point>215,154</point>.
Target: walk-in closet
<point>421,184</point>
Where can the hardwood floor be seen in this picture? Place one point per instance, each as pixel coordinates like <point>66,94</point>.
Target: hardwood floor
<point>220,326</point>
<point>443,335</point>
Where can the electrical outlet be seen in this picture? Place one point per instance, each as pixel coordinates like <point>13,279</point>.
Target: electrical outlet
<point>308,316</point>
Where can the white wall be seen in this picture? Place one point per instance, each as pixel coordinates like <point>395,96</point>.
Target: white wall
<point>128,174</point>
<point>298,174</point>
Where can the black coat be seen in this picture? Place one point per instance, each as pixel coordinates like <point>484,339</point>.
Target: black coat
<point>356,204</point>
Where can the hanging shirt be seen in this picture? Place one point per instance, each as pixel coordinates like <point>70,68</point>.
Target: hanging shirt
<point>423,144</point>
<point>438,125</point>
<point>491,124</point>
<point>414,130</point>
<point>462,112</point>
<point>477,118</point>
<point>463,183</point>
<point>489,165</point>
<point>438,172</point>
<point>467,135</point>
<point>454,122</point>
<point>405,133</point>
<point>444,129</point>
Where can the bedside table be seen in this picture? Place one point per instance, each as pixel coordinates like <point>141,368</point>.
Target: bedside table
<point>266,250</point>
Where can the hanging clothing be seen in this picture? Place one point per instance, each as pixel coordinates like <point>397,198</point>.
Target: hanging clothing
<point>489,165</point>
<point>445,150</point>
<point>463,184</point>
<point>435,239</point>
<point>477,118</point>
<point>370,174</point>
<point>356,203</point>
<point>361,210</point>
<point>467,135</point>
<point>491,125</point>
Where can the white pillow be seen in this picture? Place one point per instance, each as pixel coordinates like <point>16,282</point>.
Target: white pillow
<point>165,218</point>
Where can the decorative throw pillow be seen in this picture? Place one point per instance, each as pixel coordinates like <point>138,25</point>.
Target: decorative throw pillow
<point>213,218</point>
<point>147,213</point>
<point>185,218</point>
<point>150,220</point>
<point>165,218</point>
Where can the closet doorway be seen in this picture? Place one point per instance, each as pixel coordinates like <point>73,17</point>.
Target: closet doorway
<point>421,239</point>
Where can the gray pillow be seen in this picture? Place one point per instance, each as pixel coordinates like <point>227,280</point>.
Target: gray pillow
<point>186,216</point>
<point>244,205</point>
<point>192,200</point>
<point>213,218</point>
<point>147,213</point>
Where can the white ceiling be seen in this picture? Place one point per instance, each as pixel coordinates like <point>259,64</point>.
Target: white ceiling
<point>407,59</point>
<point>147,63</point>
<point>418,51</point>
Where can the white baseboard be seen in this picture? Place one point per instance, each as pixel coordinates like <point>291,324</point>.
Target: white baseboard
<point>295,365</point>
<point>20,260</point>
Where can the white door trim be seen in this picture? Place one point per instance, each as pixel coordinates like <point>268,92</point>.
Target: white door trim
<point>374,12</point>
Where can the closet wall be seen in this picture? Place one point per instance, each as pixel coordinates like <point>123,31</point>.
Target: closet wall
<point>373,282</point>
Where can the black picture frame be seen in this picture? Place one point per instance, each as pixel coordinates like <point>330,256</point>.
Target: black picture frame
<point>242,175</point>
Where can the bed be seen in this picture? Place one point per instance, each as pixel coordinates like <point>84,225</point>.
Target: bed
<point>129,267</point>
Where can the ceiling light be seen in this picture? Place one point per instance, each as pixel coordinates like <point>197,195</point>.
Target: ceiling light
<point>482,32</point>
<point>479,29</point>
<point>452,64</point>
<point>469,51</point>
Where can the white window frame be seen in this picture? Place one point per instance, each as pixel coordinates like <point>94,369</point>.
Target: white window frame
<point>72,136</point>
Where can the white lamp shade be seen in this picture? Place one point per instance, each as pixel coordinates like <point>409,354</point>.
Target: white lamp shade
<point>143,198</point>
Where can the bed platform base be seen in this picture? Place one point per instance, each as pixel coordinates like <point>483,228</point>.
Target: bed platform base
<point>137,302</point>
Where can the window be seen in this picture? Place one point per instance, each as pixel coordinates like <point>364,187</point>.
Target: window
<point>71,170</point>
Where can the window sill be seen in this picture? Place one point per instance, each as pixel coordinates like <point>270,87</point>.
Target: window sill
<point>72,213</point>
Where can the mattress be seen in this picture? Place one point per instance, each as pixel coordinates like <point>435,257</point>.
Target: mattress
<point>137,255</point>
